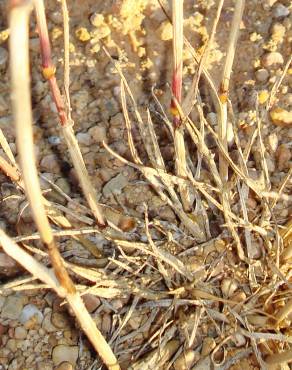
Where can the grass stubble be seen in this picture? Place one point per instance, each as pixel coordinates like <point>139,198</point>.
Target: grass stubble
<point>161,281</point>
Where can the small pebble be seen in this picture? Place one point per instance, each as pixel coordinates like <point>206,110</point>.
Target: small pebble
<point>64,185</point>
<point>60,320</point>
<point>54,140</point>
<point>12,308</point>
<point>273,142</point>
<point>280,11</point>
<point>80,100</point>
<point>281,117</point>
<point>12,345</point>
<point>262,75</point>
<point>91,302</point>
<point>50,163</point>
<point>278,32</point>
<point>98,134</point>
<point>47,324</point>
<point>283,156</point>
<point>83,138</point>
<point>20,332</point>
<point>115,185</point>
<point>43,365</point>
<point>272,58</point>
<point>30,311</point>
<point>64,366</point>
<point>8,266</point>
<point>64,353</point>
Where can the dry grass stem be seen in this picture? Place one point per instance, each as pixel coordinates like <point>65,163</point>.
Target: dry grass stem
<point>191,97</point>
<point>194,267</point>
<point>65,121</point>
<point>224,88</point>
<point>179,143</point>
<point>74,300</point>
<point>21,103</point>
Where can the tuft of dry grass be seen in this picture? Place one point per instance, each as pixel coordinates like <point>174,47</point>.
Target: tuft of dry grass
<point>191,289</point>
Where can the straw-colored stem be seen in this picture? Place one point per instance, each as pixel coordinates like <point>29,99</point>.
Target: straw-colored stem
<point>75,302</point>
<point>21,105</point>
<point>192,94</point>
<point>65,121</point>
<point>179,144</point>
<point>66,55</point>
<point>80,168</point>
<point>223,115</point>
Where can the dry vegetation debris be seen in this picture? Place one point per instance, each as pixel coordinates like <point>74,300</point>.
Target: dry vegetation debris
<point>190,264</point>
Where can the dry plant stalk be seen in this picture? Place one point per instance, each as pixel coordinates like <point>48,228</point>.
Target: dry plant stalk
<point>64,117</point>
<point>179,144</point>
<point>74,300</point>
<point>21,103</point>
<point>223,116</point>
<point>192,94</point>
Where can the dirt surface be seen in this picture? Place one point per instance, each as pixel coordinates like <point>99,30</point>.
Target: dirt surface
<point>36,330</point>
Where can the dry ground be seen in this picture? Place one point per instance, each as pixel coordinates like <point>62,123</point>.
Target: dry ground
<point>162,296</point>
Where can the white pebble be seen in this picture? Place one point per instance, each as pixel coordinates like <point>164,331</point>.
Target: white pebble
<point>62,353</point>
<point>272,58</point>
<point>28,312</point>
<point>54,140</point>
<point>83,138</point>
<point>280,11</point>
<point>20,332</point>
<point>273,142</point>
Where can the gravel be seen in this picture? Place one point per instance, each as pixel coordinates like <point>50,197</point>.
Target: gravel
<point>30,311</point>
<point>12,308</point>
<point>64,353</point>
